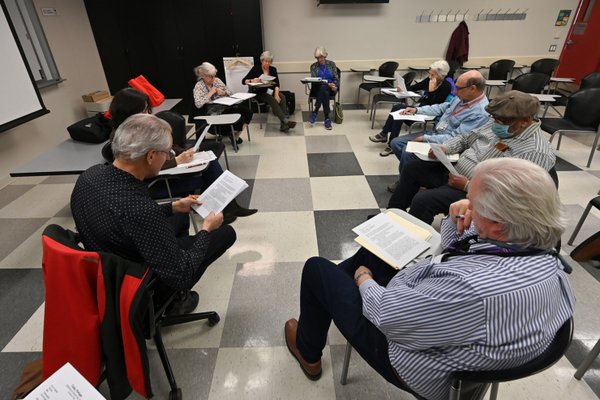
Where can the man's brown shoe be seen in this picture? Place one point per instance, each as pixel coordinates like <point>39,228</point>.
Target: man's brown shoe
<point>311,370</point>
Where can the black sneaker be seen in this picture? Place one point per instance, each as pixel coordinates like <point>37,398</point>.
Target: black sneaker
<point>184,302</point>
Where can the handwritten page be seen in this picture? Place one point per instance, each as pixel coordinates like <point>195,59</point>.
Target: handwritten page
<point>441,155</point>
<point>66,383</point>
<point>201,157</point>
<point>220,193</point>
<point>421,150</point>
<point>394,243</point>
<point>411,117</point>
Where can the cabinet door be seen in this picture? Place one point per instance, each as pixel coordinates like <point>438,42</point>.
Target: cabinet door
<point>247,28</point>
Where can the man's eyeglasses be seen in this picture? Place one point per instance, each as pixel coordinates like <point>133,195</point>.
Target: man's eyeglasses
<point>461,87</point>
<point>170,153</point>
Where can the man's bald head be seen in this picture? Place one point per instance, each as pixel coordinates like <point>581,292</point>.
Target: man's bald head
<point>470,85</point>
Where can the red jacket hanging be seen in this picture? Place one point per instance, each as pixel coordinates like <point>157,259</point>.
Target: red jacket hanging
<point>458,48</point>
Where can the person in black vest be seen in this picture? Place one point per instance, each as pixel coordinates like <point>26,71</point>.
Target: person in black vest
<point>271,94</point>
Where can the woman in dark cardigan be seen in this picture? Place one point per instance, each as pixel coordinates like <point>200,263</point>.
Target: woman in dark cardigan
<point>269,94</point>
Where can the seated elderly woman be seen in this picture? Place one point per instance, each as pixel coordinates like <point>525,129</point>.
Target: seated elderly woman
<point>114,213</point>
<point>495,300</point>
<point>270,94</point>
<point>327,71</point>
<point>209,88</point>
<point>128,102</point>
<point>437,88</point>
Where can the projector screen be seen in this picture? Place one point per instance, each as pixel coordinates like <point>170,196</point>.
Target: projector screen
<point>20,100</point>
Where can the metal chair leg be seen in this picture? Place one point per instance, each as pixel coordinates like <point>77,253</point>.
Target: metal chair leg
<point>233,140</point>
<point>580,223</point>
<point>248,131</point>
<point>593,148</point>
<point>589,359</point>
<point>347,354</point>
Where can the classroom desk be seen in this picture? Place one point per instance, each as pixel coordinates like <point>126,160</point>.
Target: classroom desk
<point>419,69</point>
<point>546,100</point>
<point>493,83</point>
<point>71,157</point>
<point>377,78</point>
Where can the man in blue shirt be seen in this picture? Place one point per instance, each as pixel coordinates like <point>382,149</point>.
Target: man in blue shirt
<point>490,302</point>
<point>461,115</point>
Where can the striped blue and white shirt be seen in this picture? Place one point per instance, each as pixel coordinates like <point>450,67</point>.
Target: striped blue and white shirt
<point>471,312</point>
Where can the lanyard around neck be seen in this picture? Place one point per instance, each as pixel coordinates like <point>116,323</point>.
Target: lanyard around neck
<point>460,109</point>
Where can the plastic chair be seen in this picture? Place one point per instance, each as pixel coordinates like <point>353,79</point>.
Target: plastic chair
<point>65,263</point>
<point>501,69</point>
<point>311,91</point>
<point>545,66</point>
<point>531,82</point>
<point>549,357</point>
<point>386,69</point>
<point>582,115</point>
<point>588,82</point>
<point>389,99</point>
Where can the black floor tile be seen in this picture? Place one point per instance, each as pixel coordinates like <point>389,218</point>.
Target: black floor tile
<point>378,185</point>
<point>333,164</point>
<point>562,165</point>
<point>11,366</point>
<point>334,231</point>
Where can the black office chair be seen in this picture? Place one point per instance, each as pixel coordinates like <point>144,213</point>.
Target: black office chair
<point>409,77</point>
<point>582,115</point>
<point>312,91</point>
<point>501,69</point>
<point>531,82</point>
<point>545,66</point>
<point>549,357</point>
<point>588,82</point>
<point>387,69</point>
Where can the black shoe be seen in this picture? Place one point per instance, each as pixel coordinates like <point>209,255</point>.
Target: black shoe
<point>291,124</point>
<point>235,209</point>
<point>239,140</point>
<point>184,302</point>
<point>228,217</point>
<point>284,127</point>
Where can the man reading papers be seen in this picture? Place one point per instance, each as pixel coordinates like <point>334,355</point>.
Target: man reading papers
<point>493,300</point>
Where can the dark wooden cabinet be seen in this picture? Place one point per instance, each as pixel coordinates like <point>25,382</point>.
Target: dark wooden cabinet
<point>165,40</point>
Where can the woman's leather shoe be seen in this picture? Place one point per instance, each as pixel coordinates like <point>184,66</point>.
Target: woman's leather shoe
<point>312,371</point>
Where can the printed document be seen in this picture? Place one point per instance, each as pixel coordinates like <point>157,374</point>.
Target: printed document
<point>411,117</point>
<point>201,157</point>
<point>421,150</point>
<point>400,94</point>
<point>220,193</point>
<point>392,238</point>
<point>233,99</point>
<point>439,153</point>
<point>265,77</point>
<point>312,79</point>
<point>66,383</point>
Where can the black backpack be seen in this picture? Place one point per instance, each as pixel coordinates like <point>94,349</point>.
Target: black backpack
<point>94,129</point>
<point>290,100</point>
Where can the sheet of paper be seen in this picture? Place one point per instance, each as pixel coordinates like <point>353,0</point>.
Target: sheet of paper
<point>400,95</point>
<point>265,77</point>
<point>220,193</point>
<point>312,79</point>
<point>411,117</point>
<point>201,138</point>
<point>439,153</point>
<point>390,241</point>
<point>226,101</point>
<point>243,95</point>
<point>421,150</point>
<point>66,383</point>
<point>259,84</point>
<point>201,157</point>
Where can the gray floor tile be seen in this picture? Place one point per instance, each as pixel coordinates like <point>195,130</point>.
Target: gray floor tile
<point>562,165</point>
<point>595,173</point>
<point>576,353</point>
<point>61,179</point>
<point>272,129</point>
<point>379,184</point>
<point>335,164</point>
<point>10,193</point>
<point>328,144</point>
<point>15,231</point>
<point>572,214</point>
<point>243,198</point>
<point>334,231</point>
<point>262,298</point>
<point>21,292</point>
<point>11,366</point>
<point>292,194</point>
<point>65,212</point>
<point>243,166</point>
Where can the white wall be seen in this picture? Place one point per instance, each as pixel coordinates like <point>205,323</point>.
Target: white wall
<point>369,34</point>
<point>72,43</point>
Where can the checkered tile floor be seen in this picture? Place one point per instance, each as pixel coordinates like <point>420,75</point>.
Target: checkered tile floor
<point>311,187</point>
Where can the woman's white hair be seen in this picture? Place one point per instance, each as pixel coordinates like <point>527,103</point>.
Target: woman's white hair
<point>523,197</point>
<point>139,134</point>
<point>321,51</point>
<point>205,69</point>
<point>266,55</point>
<point>441,67</point>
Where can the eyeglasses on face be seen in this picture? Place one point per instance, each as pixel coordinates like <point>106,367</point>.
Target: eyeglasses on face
<point>169,153</point>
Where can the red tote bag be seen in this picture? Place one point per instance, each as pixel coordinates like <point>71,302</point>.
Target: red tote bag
<point>140,83</point>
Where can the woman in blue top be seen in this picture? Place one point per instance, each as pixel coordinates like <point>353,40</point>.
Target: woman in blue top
<point>326,70</point>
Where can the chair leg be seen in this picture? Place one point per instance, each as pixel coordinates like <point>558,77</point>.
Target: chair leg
<point>593,147</point>
<point>559,139</point>
<point>494,391</point>
<point>248,131</point>
<point>580,223</point>
<point>589,359</point>
<point>162,352</point>
<point>233,140</point>
<point>346,365</point>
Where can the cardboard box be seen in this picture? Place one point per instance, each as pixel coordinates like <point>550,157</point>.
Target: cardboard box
<point>98,106</point>
<point>95,96</point>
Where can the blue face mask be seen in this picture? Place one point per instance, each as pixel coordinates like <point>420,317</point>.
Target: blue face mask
<point>500,130</point>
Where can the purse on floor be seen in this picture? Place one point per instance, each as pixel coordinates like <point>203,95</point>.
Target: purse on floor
<point>338,113</point>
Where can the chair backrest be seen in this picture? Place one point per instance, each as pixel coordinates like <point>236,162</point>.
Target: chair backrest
<point>590,81</point>
<point>500,70</point>
<point>545,66</point>
<point>177,123</point>
<point>409,77</point>
<point>549,357</point>
<point>583,108</point>
<point>531,82</point>
<point>388,68</point>
<point>454,66</point>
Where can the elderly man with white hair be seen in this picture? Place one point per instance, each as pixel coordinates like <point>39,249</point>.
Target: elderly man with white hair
<point>493,300</point>
<point>114,213</point>
<point>271,94</point>
<point>437,88</point>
